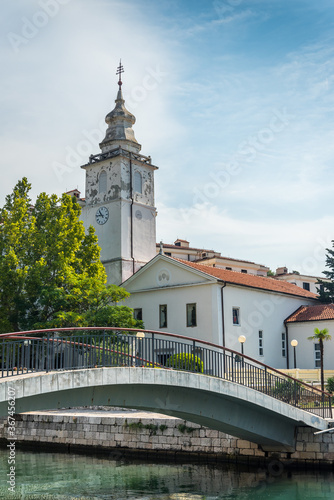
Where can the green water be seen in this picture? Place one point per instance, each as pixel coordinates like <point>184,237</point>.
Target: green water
<point>68,476</point>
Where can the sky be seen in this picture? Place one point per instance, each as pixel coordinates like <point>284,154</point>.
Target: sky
<point>234,102</point>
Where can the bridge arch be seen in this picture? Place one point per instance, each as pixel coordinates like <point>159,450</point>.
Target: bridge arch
<point>216,403</point>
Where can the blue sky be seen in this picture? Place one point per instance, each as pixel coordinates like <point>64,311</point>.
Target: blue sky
<point>233,99</point>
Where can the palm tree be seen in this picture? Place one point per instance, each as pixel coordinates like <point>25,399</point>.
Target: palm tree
<point>321,335</point>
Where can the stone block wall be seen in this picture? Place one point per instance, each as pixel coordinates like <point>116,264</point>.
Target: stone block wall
<point>160,436</point>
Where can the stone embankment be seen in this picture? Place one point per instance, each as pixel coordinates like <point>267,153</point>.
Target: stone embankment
<point>145,435</point>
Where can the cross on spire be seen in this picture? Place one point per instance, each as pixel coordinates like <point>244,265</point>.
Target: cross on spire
<point>119,72</point>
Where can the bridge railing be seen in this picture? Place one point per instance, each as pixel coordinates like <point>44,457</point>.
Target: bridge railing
<point>74,348</point>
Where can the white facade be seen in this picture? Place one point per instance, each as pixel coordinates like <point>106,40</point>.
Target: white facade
<point>307,351</point>
<point>260,311</point>
<point>166,282</point>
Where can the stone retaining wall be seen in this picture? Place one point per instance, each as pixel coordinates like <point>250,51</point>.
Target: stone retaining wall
<point>160,436</point>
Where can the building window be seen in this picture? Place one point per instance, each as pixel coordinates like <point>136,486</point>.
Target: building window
<point>168,253</point>
<point>317,361</point>
<point>236,315</point>
<point>306,286</point>
<point>163,316</point>
<point>138,183</point>
<point>228,268</point>
<point>283,345</point>
<point>191,315</point>
<point>103,182</point>
<point>138,314</point>
<point>260,343</point>
<point>244,271</point>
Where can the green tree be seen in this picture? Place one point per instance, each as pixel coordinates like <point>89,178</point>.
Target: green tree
<point>50,270</point>
<point>321,336</point>
<point>326,289</point>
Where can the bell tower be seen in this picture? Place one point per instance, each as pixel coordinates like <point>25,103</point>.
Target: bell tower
<point>119,200</point>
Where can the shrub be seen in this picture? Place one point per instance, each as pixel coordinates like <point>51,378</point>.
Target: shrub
<point>287,390</point>
<point>184,361</point>
<point>330,385</point>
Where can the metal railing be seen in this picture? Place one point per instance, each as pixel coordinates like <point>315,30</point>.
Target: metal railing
<point>74,348</point>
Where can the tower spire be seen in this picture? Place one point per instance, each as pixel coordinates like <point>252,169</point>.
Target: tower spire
<point>120,121</point>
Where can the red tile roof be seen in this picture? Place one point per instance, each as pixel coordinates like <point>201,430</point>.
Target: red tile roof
<point>250,280</point>
<point>312,313</point>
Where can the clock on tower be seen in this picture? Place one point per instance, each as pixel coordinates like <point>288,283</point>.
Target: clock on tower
<point>119,200</point>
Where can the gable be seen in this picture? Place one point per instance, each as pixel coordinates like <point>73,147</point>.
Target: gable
<point>164,272</point>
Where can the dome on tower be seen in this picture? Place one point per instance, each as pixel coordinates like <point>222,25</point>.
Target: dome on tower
<point>119,131</point>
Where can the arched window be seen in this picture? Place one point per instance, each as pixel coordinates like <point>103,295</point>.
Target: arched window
<point>103,182</point>
<point>138,183</point>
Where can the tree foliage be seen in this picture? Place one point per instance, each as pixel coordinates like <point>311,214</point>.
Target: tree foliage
<point>50,270</point>
<point>326,289</point>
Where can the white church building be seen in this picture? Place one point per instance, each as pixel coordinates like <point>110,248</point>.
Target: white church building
<point>218,306</point>
<point>192,292</point>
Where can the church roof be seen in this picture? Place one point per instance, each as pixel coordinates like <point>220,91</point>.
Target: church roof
<point>319,312</point>
<point>249,280</point>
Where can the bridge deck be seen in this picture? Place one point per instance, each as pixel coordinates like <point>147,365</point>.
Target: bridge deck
<point>206,400</point>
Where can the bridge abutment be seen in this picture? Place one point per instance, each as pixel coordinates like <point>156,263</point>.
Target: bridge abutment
<point>144,435</point>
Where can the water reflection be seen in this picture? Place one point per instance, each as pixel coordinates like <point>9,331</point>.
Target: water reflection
<point>66,476</point>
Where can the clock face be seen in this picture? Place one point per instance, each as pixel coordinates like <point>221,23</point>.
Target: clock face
<point>102,215</point>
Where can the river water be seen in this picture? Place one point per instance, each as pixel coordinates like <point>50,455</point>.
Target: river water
<point>46,476</point>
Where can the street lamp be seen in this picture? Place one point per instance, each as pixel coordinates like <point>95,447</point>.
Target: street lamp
<point>140,336</point>
<point>242,340</point>
<point>294,344</point>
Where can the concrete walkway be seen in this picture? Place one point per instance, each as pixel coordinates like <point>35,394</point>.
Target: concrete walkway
<point>91,412</point>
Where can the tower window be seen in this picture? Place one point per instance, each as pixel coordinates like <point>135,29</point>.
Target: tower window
<point>306,286</point>
<point>138,182</point>
<point>103,182</point>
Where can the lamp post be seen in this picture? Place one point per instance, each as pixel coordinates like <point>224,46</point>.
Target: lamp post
<point>242,340</point>
<point>140,336</point>
<point>294,344</point>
